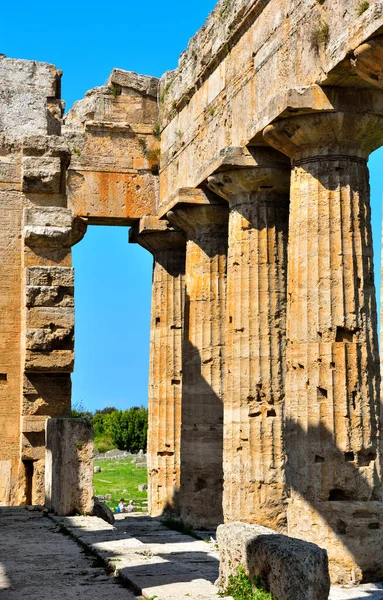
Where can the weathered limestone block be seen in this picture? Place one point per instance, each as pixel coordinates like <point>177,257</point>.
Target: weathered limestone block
<point>47,340</point>
<point>29,98</point>
<point>254,453</point>
<point>49,296</point>
<point>290,568</point>
<point>168,247</point>
<point>33,424</point>
<point>47,276</point>
<point>54,361</point>
<point>113,134</point>
<point>203,360</point>
<point>52,226</point>
<point>47,394</point>
<point>350,531</point>
<point>41,174</point>
<point>332,383</point>
<point>69,466</point>
<point>238,72</point>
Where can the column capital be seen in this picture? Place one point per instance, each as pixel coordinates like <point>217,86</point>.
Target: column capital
<point>197,218</point>
<point>155,235</point>
<point>338,134</point>
<point>267,172</point>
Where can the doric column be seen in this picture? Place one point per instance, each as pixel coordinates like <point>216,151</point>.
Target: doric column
<point>332,382</point>
<point>254,482</point>
<point>168,247</point>
<point>202,366</point>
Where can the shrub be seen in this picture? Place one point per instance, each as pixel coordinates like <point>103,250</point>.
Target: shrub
<point>241,588</point>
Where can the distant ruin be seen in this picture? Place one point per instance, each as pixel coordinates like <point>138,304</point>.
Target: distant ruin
<point>244,173</point>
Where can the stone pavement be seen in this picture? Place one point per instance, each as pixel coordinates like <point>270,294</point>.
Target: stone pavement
<point>157,561</point>
<point>39,562</point>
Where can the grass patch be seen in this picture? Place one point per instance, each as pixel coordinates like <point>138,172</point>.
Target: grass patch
<point>103,443</point>
<point>320,36</point>
<point>241,588</point>
<point>121,478</point>
<point>178,525</point>
<point>363,6</point>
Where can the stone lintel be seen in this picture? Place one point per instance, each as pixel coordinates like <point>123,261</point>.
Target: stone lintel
<point>184,196</point>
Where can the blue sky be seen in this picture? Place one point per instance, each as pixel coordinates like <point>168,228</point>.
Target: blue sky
<point>113,279</point>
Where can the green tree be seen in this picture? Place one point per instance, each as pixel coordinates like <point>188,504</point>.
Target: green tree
<point>128,428</point>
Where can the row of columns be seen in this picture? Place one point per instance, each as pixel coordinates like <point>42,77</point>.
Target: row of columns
<point>264,385</point>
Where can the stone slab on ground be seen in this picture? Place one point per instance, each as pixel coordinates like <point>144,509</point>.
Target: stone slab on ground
<point>290,568</point>
<point>158,561</point>
<point>38,562</point>
<point>369,591</point>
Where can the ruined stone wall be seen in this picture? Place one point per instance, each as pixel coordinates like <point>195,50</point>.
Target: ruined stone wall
<point>110,141</point>
<point>114,138</point>
<point>32,160</point>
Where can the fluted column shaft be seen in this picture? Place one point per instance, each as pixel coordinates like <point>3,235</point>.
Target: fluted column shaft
<point>254,481</point>
<point>332,408</point>
<point>165,371</point>
<point>203,361</point>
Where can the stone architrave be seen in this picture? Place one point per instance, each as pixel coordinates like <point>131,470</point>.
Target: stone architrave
<point>332,382</point>
<point>253,459</point>
<point>168,247</point>
<point>205,225</point>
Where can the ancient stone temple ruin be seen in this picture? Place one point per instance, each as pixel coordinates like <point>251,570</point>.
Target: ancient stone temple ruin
<point>244,173</point>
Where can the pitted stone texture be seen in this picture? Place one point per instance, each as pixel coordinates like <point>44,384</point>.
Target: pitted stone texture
<point>69,466</point>
<point>203,361</point>
<point>41,174</point>
<point>11,203</point>
<point>254,453</point>
<point>165,372</point>
<point>289,567</point>
<point>350,531</point>
<point>52,226</point>
<point>28,93</point>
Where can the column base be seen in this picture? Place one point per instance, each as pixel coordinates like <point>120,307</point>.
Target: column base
<point>350,531</point>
